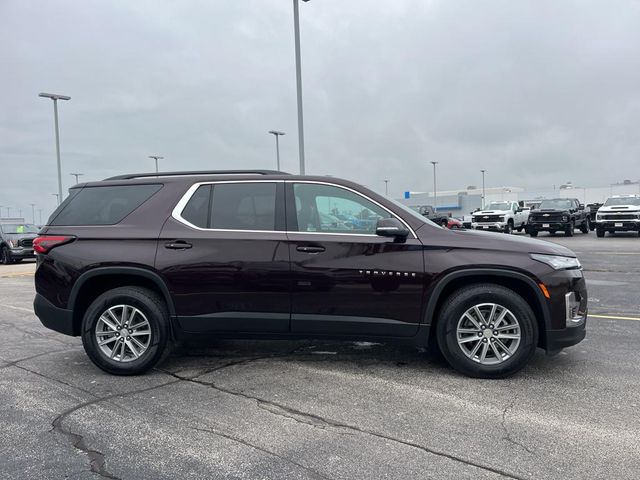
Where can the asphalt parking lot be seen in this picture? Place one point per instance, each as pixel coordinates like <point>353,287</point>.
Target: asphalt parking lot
<point>267,410</point>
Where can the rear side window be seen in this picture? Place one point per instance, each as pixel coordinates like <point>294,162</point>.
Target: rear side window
<point>233,206</point>
<point>103,205</point>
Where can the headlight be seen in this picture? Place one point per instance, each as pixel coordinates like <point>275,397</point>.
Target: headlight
<point>565,218</point>
<point>13,243</point>
<point>557,262</point>
<point>501,218</point>
<point>598,217</point>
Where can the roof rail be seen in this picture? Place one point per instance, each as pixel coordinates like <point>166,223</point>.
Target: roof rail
<point>130,176</point>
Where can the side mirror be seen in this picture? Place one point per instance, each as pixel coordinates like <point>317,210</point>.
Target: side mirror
<point>519,210</point>
<point>581,206</point>
<point>391,227</point>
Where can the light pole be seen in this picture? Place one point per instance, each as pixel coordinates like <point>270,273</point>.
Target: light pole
<point>55,97</point>
<point>277,134</point>
<point>33,213</point>
<point>77,175</point>
<point>483,188</point>
<point>40,216</point>
<point>386,188</point>
<point>57,198</point>
<point>435,195</point>
<point>8,210</point>
<point>296,33</point>
<point>156,158</point>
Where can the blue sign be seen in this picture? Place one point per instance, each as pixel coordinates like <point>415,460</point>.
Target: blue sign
<point>407,194</point>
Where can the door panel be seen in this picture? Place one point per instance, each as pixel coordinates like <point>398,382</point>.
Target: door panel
<point>349,283</point>
<point>227,280</point>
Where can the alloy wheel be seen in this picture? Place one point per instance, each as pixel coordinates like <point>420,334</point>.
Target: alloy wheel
<point>488,333</point>
<point>123,333</point>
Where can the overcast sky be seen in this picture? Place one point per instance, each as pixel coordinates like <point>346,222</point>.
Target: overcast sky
<point>536,92</point>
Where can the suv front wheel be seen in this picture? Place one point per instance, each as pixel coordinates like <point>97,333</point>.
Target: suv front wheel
<point>487,331</point>
<point>125,331</point>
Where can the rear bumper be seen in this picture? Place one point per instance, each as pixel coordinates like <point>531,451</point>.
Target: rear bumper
<point>55,318</point>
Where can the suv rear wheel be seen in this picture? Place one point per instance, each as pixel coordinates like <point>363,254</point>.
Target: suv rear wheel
<point>487,331</point>
<point>586,226</point>
<point>125,331</point>
<point>5,255</point>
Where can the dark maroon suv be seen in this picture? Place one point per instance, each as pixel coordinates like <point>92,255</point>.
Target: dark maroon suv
<point>136,262</point>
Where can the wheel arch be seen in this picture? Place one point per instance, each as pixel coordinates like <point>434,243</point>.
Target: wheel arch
<point>519,282</point>
<point>93,283</point>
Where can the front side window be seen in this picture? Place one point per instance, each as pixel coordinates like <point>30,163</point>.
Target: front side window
<point>330,209</point>
<point>233,206</point>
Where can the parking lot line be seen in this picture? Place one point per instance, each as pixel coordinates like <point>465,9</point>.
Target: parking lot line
<point>614,317</point>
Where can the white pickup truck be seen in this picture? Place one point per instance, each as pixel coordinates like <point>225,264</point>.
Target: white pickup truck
<point>620,213</point>
<point>502,217</point>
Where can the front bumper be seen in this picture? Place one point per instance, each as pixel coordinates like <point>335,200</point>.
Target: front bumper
<point>548,226</point>
<point>496,226</point>
<point>567,308</point>
<point>55,318</point>
<point>22,252</point>
<point>619,226</point>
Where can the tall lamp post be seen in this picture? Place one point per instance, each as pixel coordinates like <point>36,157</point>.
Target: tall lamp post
<point>435,195</point>
<point>57,195</point>
<point>156,158</point>
<point>40,216</point>
<point>296,33</point>
<point>33,213</point>
<point>77,175</point>
<point>55,97</point>
<point>277,134</point>
<point>483,171</point>
<point>386,188</point>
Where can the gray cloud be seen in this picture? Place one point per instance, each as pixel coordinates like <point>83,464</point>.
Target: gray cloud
<point>536,92</point>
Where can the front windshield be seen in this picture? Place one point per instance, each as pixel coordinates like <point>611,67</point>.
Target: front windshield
<point>557,204</point>
<point>413,213</point>
<point>19,228</point>
<point>622,201</point>
<point>498,206</point>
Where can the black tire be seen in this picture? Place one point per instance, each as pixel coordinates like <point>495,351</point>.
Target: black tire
<point>5,256</point>
<point>592,225</point>
<point>585,227</point>
<point>462,300</point>
<point>570,229</point>
<point>508,229</point>
<point>533,232</point>
<point>599,232</point>
<point>156,313</point>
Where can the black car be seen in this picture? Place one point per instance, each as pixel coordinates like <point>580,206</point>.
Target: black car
<point>136,262</point>
<point>559,215</point>
<point>593,211</point>
<point>16,242</point>
<point>429,212</point>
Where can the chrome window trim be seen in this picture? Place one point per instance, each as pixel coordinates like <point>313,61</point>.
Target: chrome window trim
<point>176,213</point>
<point>359,194</point>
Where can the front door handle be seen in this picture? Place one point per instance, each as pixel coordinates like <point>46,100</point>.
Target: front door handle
<point>178,245</point>
<point>310,248</point>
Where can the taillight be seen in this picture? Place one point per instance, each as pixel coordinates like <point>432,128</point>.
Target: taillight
<point>46,242</point>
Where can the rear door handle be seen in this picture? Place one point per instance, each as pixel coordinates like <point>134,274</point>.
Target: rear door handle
<point>178,245</point>
<point>310,248</point>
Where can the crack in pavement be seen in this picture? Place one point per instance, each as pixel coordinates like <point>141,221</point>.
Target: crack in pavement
<point>313,472</point>
<point>294,414</point>
<point>13,363</point>
<point>97,461</point>
<point>507,434</point>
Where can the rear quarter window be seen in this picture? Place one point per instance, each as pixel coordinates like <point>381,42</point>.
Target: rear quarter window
<point>106,205</point>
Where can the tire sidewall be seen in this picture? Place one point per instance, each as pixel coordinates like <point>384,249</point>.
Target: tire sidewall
<point>455,307</point>
<point>158,320</point>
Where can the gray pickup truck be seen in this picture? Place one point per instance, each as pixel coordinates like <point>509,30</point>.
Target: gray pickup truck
<point>16,242</point>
